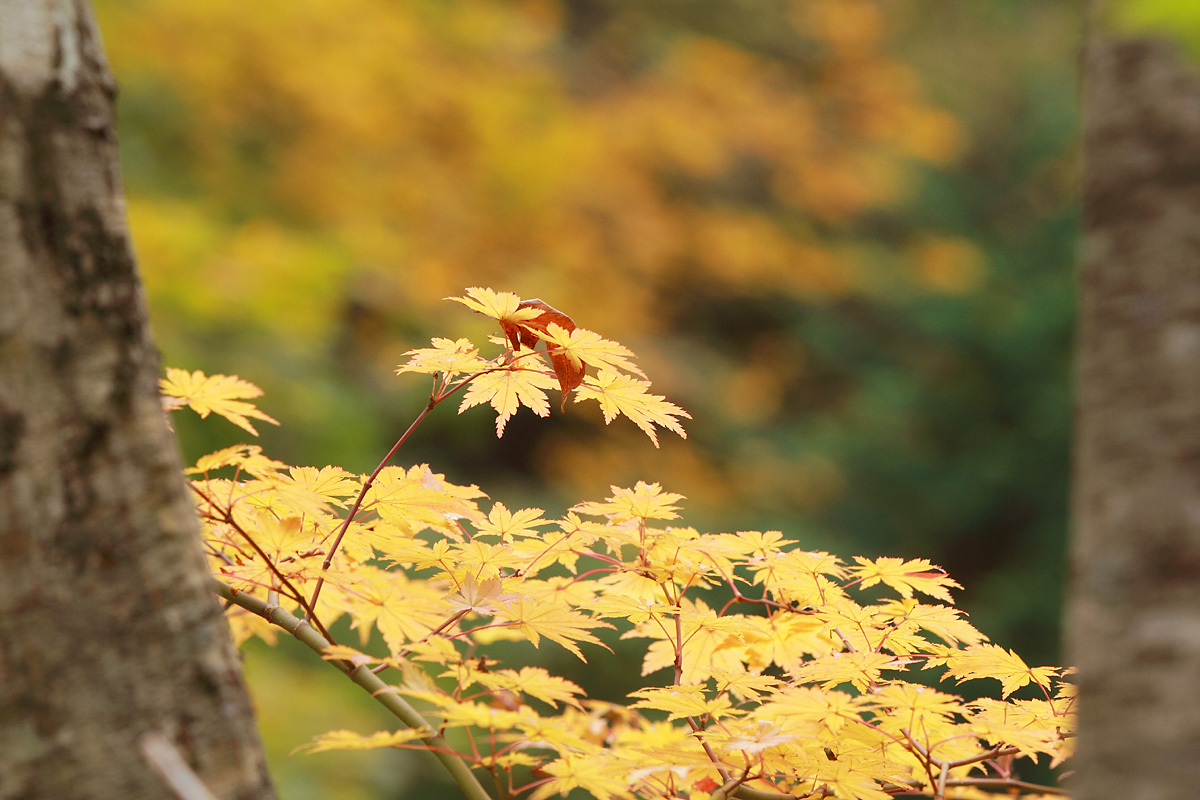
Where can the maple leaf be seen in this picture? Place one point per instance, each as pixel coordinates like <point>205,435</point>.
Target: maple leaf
<point>501,306</point>
<point>247,458</point>
<point>764,738</point>
<point>349,740</point>
<point>419,498</point>
<point>643,501</point>
<point>507,390</point>
<point>598,774</point>
<point>1032,726</point>
<point>484,560</point>
<point>288,543</point>
<point>784,639</point>
<point>992,661</point>
<point>402,610</point>
<point>509,524</point>
<point>342,652</point>
<point>589,347</point>
<point>524,322</point>
<point>534,682</point>
<point>325,485</point>
<point>634,609</point>
<point>905,576</point>
<point>621,394</point>
<point>861,669</point>
<point>843,780</point>
<point>945,622</point>
<point>682,701</point>
<point>223,395</point>
<point>562,625</point>
<point>706,642</point>
<point>447,357</point>
<point>807,704</point>
<point>910,702</point>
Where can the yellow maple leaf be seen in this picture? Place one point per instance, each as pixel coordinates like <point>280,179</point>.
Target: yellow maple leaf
<point>644,501</point>
<point>247,458</point>
<point>706,644</point>
<point>844,780</point>
<point>597,773</point>
<point>419,498</point>
<point>861,669</point>
<point>534,682</point>
<point>560,624</point>
<point>224,395</point>
<point>795,705</point>
<point>349,740</point>
<point>905,576</point>
<point>289,543</point>
<point>945,622</point>
<point>329,484</point>
<point>784,639</point>
<point>629,607</point>
<point>683,701</point>
<point>502,306</point>
<point>512,524</point>
<point>1032,726</point>
<point>481,560</point>
<point>992,661</point>
<point>507,390</point>
<point>587,347</point>
<point>744,684</point>
<point>448,357</point>
<point>621,394</point>
<point>910,702</point>
<point>401,609</point>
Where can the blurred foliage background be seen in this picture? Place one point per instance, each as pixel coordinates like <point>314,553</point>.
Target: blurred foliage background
<point>839,232</point>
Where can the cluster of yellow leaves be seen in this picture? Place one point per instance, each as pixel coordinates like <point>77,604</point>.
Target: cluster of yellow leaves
<point>514,379</point>
<point>768,666</point>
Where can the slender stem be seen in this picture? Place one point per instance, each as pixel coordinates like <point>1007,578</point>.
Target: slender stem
<point>929,760</point>
<point>361,675</point>
<point>366,487</point>
<point>1007,783</point>
<point>995,752</point>
<point>458,615</point>
<point>440,393</point>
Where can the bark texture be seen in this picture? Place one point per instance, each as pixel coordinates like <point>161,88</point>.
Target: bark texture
<point>1135,595</point>
<point>109,639</point>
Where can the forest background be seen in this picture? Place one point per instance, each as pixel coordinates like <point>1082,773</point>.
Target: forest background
<point>841,233</point>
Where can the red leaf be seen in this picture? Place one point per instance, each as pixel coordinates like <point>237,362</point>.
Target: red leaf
<point>569,370</point>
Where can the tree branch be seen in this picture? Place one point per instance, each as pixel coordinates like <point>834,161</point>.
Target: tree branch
<point>369,681</point>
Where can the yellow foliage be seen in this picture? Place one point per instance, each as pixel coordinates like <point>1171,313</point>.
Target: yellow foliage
<point>785,669</point>
<point>206,394</point>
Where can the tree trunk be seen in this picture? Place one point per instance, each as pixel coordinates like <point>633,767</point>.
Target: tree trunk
<point>1135,595</point>
<point>111,645</point>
